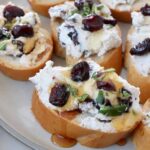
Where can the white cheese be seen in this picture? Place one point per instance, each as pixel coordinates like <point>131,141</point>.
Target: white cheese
<point>89,43</point>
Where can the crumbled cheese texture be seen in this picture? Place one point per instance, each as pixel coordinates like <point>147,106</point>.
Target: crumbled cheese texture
<point>90,117</point>
<point>85,43</point>
<point>141,26</point>
<point>12,51</point>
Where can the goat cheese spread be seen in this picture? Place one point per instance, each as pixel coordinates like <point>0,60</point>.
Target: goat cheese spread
<point>93,117</point>
<point>80,42</point>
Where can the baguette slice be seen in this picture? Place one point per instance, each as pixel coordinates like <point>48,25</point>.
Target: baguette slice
<point>125,15</point>
<point>17,72</point>
<point>134,76</point>
<point>105,61</point>
<point>42,6</point>
<point>142,133</point>
<point>64,122</point>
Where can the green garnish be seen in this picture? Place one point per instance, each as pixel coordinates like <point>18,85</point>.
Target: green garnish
<point>99,75</point>
<point>113,110</point>
<point>3,46</point>
<point>86,10</point>
<point>83,97</point>
<point>100,98</point>
<point>73,91</point>
<point>124,94</point>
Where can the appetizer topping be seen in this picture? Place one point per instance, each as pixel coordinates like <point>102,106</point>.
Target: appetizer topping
<point>10,12</point>
<point>141,48</point>
<point>108,86</point>
<point>22,30</point>
<point>93,23</point>
<point>90,27</point>
<point>80,72</point>
<point>4,34</point>
<point>113,99</point>
<point>59,95</point>
<point>146,10</point>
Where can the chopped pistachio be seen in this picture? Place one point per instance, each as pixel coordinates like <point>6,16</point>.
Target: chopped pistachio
<point>3,46</point>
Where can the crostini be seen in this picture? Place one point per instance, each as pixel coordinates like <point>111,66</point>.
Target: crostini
<point>141,136</point>
<point>42,6</point>
<point>121,9</point>
<point>24,45</point>
<point>137,58</point>
<point>84,29</point>
<point>85,102</point>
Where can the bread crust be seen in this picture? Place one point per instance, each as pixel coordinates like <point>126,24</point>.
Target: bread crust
<point>55,123</point>
<point>105,61</point>
<point>23,73</point>
<point>134,76</point>
<point>42,8</point>
<point>141,136</point>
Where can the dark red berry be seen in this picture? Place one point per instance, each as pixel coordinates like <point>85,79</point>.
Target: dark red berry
<point>141,48</point>
<point>10,12</point>
<point>112,22</point>
<point>80,72</point>
<point>93,23</point>
<point>22,30</point>
<point>59,95</point>
<point>108,86</point>
<point>146,10</point>
<point>79,4</point>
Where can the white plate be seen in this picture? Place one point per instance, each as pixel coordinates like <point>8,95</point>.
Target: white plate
<point>15,107</point>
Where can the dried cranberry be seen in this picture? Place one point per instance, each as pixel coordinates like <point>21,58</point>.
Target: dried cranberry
<point>59,95</point>
<point>10,12</point>
<point>22,30</point>
<point>80,72</point>
<point>93,23</point>
<point>79,4</point>
<point>4,33</point>
<point>108,86</point>
<point>141,48</point>
<point>112,22</point>
<point>146,10</point>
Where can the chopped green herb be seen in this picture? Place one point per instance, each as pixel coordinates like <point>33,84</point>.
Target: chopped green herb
<point>124,94</point>
<point>113,110</point>
<point>100,98</point>
<point>83,97</point>
<point>73,91</point>
<point>3,46</point>
<point>86,10</point>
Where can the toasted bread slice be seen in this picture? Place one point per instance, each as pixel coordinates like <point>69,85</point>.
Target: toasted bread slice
<point>42,6</point>
<point>106,60</point>
<point>65,120</point>
<point>24,45</point>
<point>125,15</point>
<point>17,71</point>
<point>142,133</point>
<point>133,75</point>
